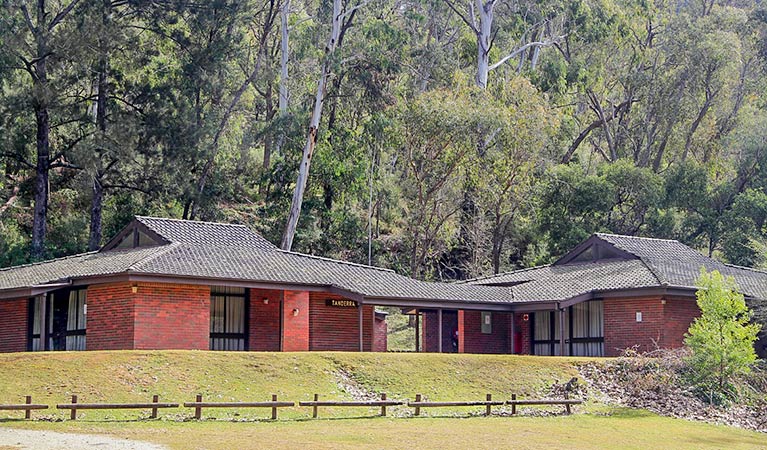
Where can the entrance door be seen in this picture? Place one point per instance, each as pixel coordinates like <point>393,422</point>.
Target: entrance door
<point>583,328</point>
<point>62,315</point>
<point>228,318</point>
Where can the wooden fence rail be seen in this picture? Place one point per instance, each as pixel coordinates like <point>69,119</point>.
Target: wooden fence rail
<point>26,407</point>
<point>383,403</point>
<point>154,406</point>
<point>199,405</point>
<point>488,403</point>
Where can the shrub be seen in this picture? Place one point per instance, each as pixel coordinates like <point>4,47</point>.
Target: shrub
<point>722,339</point>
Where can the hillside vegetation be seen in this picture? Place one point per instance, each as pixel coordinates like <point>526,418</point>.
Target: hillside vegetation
<point>576,116</point>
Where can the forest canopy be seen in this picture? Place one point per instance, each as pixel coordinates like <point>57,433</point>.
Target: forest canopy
<point>447,138</point>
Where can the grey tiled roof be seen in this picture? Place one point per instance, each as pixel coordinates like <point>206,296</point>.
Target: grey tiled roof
<point>659,263</point>
<point>226,252</point>
<point>205,233</point>
<point>676,264</point>
<point>557,283</point>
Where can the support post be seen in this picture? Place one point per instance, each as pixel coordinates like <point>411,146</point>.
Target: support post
<point>439,330</point>
<point>155,399</point>
<point>361,322</point>
<point>198,409</point>
<point>383,407</point>
<point>417,330</point>
<point>513,405</point>
<point>489,397</point>
<point>561,332</point>
<point>274,408</point>
<point>567,405</point>
<point>28,413</point>
<point>73,413</point>
<point>314,408</point>
<point>513,333</point>
<point>417,408</point>
<point>44,323</point>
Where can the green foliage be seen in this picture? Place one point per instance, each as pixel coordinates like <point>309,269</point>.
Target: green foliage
<point>721,339</point>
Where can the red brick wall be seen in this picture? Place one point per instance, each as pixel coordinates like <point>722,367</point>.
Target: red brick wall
<point>380,335</point>
<point>295,331</point>
<point>430,330</point>
<point>171,317</point>
<point>679,313</point>
<point>14,321</point>
<point>499,341</point>
<point>623,331</point>
<point>110,319</point>
<point>522,328</point>
<point>264,333</point>
<point>333,328</point>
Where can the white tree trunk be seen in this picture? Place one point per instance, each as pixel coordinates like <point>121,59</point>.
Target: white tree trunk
<point>314,124</point>
<point>284,56</point>
<point>485,11</point>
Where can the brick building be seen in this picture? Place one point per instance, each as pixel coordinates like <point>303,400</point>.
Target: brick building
<point>173,284</point>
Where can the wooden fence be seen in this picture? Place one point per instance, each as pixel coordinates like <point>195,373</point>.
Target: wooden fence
<point>274,404</point>
<point>26,407</point>
<point>315,404</point>
<point>154,406</point>
<point>383,403</point>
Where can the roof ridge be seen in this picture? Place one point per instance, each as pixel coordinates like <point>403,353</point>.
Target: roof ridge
<point>37,263</point>
<point>195,221</point>
<point>488,277</point>
<point>735,266</point>
<point>322,258</point>
<point>638,237</point>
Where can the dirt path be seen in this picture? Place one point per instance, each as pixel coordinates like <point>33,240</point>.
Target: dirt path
<point>11,438</point>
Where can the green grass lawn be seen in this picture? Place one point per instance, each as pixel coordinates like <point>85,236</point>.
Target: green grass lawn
<point>179,375</point>
<point>622,429</point>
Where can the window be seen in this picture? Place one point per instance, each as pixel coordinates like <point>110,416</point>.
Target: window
<point>62,315</point>
<point>583,328</point>
<point>228,319</point>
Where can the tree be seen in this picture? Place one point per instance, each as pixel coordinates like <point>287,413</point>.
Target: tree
<point>37,44</point>
<point>341,21</point>
<point>721,339</point>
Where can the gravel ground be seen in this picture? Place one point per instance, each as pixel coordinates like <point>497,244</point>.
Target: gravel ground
<point>50,440</point>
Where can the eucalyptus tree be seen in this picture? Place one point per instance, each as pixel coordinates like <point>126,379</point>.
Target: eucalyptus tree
<point>341,20</point>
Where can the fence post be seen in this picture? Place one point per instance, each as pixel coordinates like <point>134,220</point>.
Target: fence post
<point>487,407</point>
<point>198,408</point>
<point>155,399</point>
<point>567,405</point>
<point>383,407</point>
<point>314,408</point>
<point>513,405</point>
<point>73,413</point>
<point>28,413</point>
<point>417,408</point>
<point>274,408</point>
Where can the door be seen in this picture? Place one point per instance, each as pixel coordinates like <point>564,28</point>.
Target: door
<point>62,314</point>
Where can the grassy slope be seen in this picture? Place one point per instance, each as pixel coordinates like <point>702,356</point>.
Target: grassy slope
<point>178,376</point>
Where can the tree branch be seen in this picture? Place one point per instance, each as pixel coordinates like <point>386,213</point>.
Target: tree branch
<point>62,14</point>
<point>547,43</point>
<point>470,23</point>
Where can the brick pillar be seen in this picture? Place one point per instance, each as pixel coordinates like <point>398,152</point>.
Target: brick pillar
<point>14,319</point>
<point>295,321</point>
<point>461,332</point>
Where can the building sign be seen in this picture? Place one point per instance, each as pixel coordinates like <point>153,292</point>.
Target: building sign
<point>341,303</point>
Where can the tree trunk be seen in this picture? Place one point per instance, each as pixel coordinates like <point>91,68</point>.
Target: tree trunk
<point>284,76</point>
<point>42,168</point>
<point>314,124</point>
<point>484,36</point>
<point>94,238</point>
